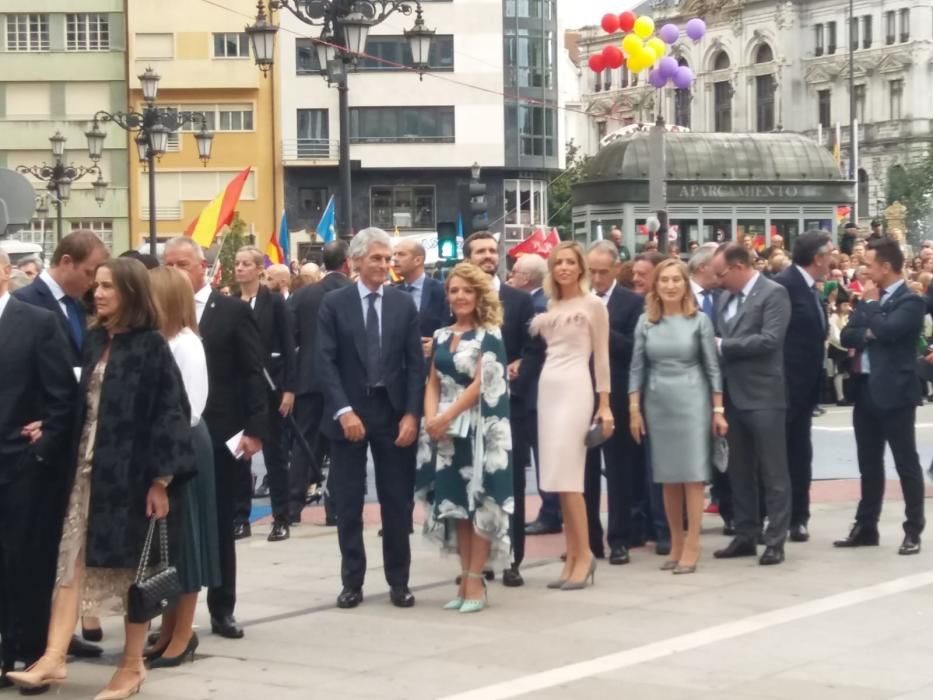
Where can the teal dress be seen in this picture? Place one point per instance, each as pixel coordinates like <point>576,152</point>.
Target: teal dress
<point>470,478</point>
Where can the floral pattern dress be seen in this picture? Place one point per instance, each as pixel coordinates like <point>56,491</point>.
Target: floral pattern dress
<point>470,478</point>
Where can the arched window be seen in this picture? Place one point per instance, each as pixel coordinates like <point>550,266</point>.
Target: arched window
<point>862,193</point>
<point>722,106</point>
<point>682,102</point>
<point>765,86</point>
<point>764,54</point>
<point>721,61</point>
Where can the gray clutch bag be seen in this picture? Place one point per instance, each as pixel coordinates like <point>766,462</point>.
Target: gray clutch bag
<point>720,453</point>
<point>594,436</point>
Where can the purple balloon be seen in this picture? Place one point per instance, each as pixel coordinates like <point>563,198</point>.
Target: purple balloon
<point>669,33</point>
<point>656,79</point>
<point>696,28</point>
<point>667,67</point>
<point>683,78</point>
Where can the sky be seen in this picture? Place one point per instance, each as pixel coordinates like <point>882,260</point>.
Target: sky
<point>578,13</point>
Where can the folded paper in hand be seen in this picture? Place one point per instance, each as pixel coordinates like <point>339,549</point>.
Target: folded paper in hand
<point>233,444</point>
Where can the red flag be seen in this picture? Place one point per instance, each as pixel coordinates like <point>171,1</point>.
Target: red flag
<point>218,213</point>
<point>536,243</point>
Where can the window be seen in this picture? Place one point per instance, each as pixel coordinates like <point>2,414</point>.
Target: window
<point>313,133</point>
<point>526,207</point>
<point>764,102</point>
<point>682,103</point>
<point>534,9</point>
<point>904,16</point>
<point>866,32</point>
<point>392,52</point>
<point>529,58</point>
<point>597,82</point>
<point>155,46</point>
<point>764,54</point>
<point>402,206</point>
<point>102,227</point>
<point>819,46</point>
<point>853,33</point>
<point>860,103</point>
<point>536,130</point>
<point>306,58</point>
<point>721,62</point>
<point>235,119</point>
<point>896,94</point>
<point>824,102</point>
<point>231,45</point>
<point>607,79</point>
<point>890,27</point>
<point>830,37</point>
<point>87,32</point>
<point>722,106</point>
<point>402,125</point>
<point>27,32</point>
<point>312,200</point>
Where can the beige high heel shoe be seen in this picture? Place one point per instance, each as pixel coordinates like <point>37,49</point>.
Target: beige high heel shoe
<point>44,672</point>
<point>124,693</point>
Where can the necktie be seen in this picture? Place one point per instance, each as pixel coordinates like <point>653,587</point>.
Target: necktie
<point>708,303</point>
<point>74,320</point>
<point>374,343</point>
<point>819,306</point>
<point>410,288</point>
<point>739,300</point>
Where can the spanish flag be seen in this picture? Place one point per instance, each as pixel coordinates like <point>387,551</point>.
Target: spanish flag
<point>218,213</point>
<point>273,252</point>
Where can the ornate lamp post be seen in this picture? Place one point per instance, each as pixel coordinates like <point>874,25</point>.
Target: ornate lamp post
<point>345,26</point>
<point>59,178</point>
<point>152,127</point>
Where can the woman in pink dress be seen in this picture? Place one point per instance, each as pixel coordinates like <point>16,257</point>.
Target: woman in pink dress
<point>576,328</point>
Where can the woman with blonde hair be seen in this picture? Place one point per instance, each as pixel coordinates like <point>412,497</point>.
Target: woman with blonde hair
<point>576,329</point>
<point>675,376</point>
<point>199,563</point>
<point>464,473</point>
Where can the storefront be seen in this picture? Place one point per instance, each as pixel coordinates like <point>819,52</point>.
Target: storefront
<point>719,187</point>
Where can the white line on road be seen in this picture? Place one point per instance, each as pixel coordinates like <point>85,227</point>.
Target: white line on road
<point>848,428</point>
<point>657,650</point>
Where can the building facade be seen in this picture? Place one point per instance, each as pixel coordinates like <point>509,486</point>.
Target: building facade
<point>59,64</point>
<point>489,97</point>
<point>763,67</point>
<point>204,59</point>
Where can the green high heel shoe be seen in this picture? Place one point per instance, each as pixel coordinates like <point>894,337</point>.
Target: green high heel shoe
<point>474,606</point>
<point>455,603</point>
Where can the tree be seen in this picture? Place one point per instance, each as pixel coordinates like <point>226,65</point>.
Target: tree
<point>234,239</point>
<point>560,191</point>
<point>912,186</point>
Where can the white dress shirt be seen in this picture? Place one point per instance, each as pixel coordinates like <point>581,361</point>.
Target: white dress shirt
<point>885,295</point>
<point>417,290</point>
<point>733,307</point>
<point>189,355</point>
<point>364,301</point>
<point>496,283</point>
<point>3,302</point>
<point>56,290</point>
<point>697,293</point>
<point>605,297</point>
<point>200,300</point>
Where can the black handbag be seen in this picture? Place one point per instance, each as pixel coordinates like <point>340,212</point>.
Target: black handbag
<point>150,596</point>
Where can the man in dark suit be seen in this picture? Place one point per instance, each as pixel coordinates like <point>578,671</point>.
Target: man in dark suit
<point>482,249</point>
<point>37,401</point>
<point>804,353</point>
<point>372,377</point>
<point>618,452</point>
<point>304,305</point>
<point>884,329</point>
<point>279,356</point>
<point>428,294</point>
<point>752,319</point>
<point>236,405</point>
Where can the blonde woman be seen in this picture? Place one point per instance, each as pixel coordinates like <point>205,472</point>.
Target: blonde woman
<point>576,328</point>
<point>675,376</point>
<point>465,452</point>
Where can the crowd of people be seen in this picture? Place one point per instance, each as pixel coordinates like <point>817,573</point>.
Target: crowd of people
<point>147,405</point>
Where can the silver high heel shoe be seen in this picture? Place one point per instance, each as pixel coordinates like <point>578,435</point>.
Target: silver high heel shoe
<point>580,585</point>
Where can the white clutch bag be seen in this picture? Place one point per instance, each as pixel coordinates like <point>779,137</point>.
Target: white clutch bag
<point>460,426</point>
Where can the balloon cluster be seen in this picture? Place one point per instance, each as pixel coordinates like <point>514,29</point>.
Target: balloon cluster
<point>643,49</point>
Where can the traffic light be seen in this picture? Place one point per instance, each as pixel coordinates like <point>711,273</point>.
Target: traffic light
<point>446,240</point>
<point>479,210</point>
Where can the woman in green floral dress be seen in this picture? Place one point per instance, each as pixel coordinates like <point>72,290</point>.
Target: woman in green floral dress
<point>464,474</point>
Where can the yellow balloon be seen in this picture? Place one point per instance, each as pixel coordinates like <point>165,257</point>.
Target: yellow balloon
<point>639,62</point>
<point>644,27</point>
<point>648,57</point>
<point>631,45</point>
<point>657,45</point>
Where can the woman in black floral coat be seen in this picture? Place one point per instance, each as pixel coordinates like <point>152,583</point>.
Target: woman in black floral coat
<point>134,439</point>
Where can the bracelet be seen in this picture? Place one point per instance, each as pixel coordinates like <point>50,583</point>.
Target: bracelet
<point>719,409</point>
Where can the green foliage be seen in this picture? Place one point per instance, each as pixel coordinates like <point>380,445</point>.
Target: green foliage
<point>912,186</point>
<point>235,238</point>
<point>560,191</point>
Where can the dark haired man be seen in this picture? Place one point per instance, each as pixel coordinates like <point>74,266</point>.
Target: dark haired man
<point>884,329</point>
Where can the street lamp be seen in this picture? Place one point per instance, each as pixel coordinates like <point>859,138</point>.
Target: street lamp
<point>152,127</point>
<point>59,178</point>
<point>345,26</point>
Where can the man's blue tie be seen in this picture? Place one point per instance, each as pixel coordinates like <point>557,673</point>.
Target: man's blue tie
<point>374,341</point>
<point>708,303</point>
<point>74,320</point>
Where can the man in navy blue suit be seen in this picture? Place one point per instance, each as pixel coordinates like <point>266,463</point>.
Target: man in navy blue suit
<point>372,377</point>
<point>804,352</point>
<point>428,294</point>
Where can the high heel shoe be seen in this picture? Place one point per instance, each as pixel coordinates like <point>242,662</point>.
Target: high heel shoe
<point>124,693</point>
<point>173,661</point>
<point>455,603</point>
<point>34,677</point>
<point>580,585</point>
<point>669,565</point>
<point>557,583</point>
<point>474,606</point>
<point>92,634</point>
<point>685,569</point>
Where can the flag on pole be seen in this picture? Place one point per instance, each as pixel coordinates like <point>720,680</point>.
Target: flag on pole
<point>460,227</point>
<point>273,252</point>
<point>326,228</point>
<point>284,242</point>
<point>837,155</point>
<point>396,233</point>
<point>218,213</point>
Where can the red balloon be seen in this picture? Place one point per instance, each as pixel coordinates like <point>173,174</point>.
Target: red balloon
<point>613,57</point>
<point>610,23</point>
<point>627,21</point>
<point>597,63</point>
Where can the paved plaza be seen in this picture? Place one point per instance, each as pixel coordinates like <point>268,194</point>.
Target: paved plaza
<point>828,624</point>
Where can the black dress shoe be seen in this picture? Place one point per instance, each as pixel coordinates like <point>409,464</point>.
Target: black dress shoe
<point>772,556</point>
<point>799,533</point>
<point>619,555</point>
<point>859,536</point>
<point>738,547</point>
<point>241,531</point>
<point>911,545</point>
<point>4,681</point>
<point>173,661</point>
<point>728,528</point>
<point>349,598</point>
<point>279,531</point>
<point>226,626</point>
<point>511,578</point>
<point>662,548</point>
<point>39,690</point>
<point>400,596</point>
<point>536,527</point>
<point>83,650</point>
<point>92,634</point>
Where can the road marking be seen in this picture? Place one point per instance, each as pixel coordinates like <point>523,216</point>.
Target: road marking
<point>668,647</point>
<point>848,428</point>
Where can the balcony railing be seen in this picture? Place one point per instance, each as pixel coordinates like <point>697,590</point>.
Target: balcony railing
<point>310,150</point>
<point>163,213</point>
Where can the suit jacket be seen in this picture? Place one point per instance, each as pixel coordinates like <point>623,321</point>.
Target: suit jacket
<point>539,299</point>
<point>752,347</point>
<point>625,307</point>
<point>518,310</point>
<point>804,344</point>
<point>525,384</point>
<point>36,384</point>
<point>38,294</point>
<point>304,306</point>
<point>434,312</point>
<point>896,325</point>
<point>343,354</point>
<point>237,392</point>
<point>278,339</point>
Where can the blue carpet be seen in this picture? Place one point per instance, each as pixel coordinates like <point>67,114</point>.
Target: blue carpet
<point>259,512</point>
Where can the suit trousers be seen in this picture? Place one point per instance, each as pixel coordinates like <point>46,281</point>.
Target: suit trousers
<point>395,488</point>
<point>521,460</point>
<point>873,428</point>
<point>617,454</point>
<point>221,600</point>
<point>758,459</point>
<point>800,462</point>
<point>649,521</point>
<point>309,410</point>
<point>549,513</point>
<point>721,492</point>
<point>275,456</point>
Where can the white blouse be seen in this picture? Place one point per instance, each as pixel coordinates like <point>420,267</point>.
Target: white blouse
<point>191,361</point>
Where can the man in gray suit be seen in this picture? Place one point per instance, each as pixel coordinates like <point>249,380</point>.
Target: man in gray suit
<point>751,320</point>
